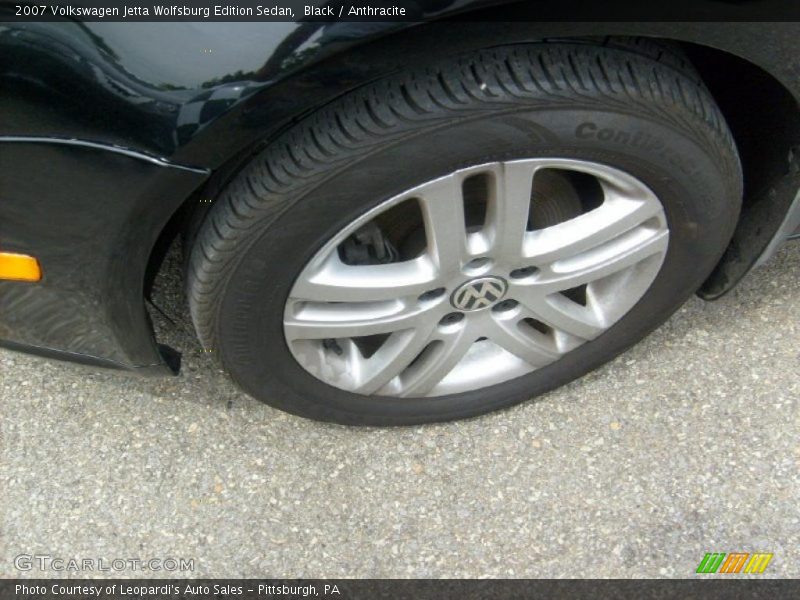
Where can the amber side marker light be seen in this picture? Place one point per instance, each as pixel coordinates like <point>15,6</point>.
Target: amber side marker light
<point>19,267</point>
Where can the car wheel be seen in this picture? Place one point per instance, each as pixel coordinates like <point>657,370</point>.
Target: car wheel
<point>462,237</point>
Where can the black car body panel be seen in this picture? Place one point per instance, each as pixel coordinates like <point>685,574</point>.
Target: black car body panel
<point>107,129</point>
<point>155,88</point>
<point>92,236</point>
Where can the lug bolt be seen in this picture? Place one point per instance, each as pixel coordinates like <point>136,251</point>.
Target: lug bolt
<point>523,272</point>
<point>431,295</point>
<point>450,318</point>
<point>505,305</point>
<point>477,263</point>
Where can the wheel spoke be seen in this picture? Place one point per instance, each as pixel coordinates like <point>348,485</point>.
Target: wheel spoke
<point>614,218</point>
<point>570,317</point>
<point>442,207</point>
<point>508,213</point>
<point>607,259</point>
<point>354,319</point>
<point>335,281</point>
<point>391,359</point>
<point>558,312</point>
<point>530,347</point>
<point>435,365</point>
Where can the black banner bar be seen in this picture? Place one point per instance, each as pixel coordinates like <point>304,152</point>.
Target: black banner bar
<point>400,10</point>
<point>707,587</point>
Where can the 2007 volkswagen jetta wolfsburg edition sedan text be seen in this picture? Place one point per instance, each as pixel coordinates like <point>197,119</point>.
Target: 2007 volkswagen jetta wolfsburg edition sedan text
<point>388,223</point>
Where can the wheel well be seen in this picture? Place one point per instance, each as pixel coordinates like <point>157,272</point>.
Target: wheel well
<point>762,114</point>
<point>763,117</point>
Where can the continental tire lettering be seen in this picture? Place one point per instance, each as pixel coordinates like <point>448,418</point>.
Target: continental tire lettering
<point>585,130</point>
<point>639,140</point>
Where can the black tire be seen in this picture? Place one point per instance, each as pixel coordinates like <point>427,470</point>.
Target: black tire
<point>611,105</point>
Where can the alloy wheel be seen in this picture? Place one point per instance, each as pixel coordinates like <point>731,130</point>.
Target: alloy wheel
<point>498,270</point>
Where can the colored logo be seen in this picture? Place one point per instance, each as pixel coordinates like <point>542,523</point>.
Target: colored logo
<point>734,562</point>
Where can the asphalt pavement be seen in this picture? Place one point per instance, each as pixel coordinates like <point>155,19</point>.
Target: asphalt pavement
<point>686,444</point>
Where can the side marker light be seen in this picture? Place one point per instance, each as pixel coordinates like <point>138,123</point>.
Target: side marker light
<point>19,267</point>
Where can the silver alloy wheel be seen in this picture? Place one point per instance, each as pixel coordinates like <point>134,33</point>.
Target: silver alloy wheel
<point>478,306</point>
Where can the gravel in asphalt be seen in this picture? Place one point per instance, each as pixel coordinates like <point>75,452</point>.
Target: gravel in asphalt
<point>686,444</point>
